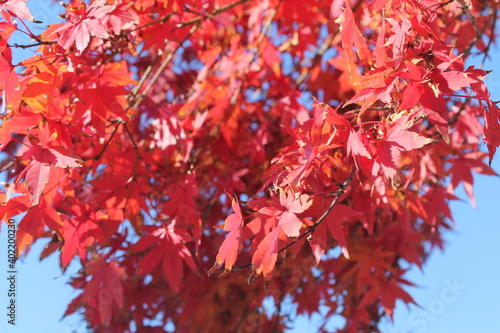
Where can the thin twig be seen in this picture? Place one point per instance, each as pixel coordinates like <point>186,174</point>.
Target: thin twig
<point>324,47</point>
<point>479,33</point>
<point>161,69</point>
<point>214,13</point>
<point>31,45</point>
<point>106,144</point>
<point>260,38</point>
<point>490,42</point>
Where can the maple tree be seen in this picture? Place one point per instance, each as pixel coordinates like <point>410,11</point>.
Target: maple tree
<point>149,139</point>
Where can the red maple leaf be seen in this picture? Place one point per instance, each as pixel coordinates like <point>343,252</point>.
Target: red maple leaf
<point>17,8</point>
<point>32,225</point>
<point>334,224</point>
<point>9,80</point>
<point>43,156</point>
<point>390,293</point>
<point>165,245</point>
<point>105,290</point>
<point>229,249</point>
<point>82,23</point>
<point>264,259</point>
<point>285,210</point>
<point>395,141</point>
<point>78,234</point>
<point>352,38</point>
<point>461,172</point>
<point>120,16</point>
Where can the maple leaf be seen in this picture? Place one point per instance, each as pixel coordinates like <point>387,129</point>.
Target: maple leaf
<point>102,90</point>
<point>352,37</point>
<point>42,157</point>
<point>120,17</point>
<point>228,251</point>
<point>390,293</point>
<point>78,234</point>
<point>492,129</point>
<point>9,80</point>
<point>264,259</point>
<point>166,246</point>
<point>436,204</point>
<point>32,225</point>
<point>457,80</point>
<point>17,8</point>
<point>285,210</point>
<point>83,23</point>
<point>333,223</point>
<point>13,207</point>
<point>356,147</point>
<point>461,172</point>
<point>396,140</point>
<point>182,207</point>
<point>105,288</point>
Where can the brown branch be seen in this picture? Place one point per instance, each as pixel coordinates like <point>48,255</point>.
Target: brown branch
<point>214,13</point>
<point>30,45</point>
<point>192,21</point>
<point>490,42</point>
<point>265,28</point>
<point>315,60</point>
<point>106,144</point>
<point>160,69</point>
<point>479,33</point>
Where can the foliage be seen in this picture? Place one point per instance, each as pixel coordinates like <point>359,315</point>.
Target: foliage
<point>151,138</point>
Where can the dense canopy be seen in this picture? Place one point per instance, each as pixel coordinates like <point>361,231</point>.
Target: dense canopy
<point>200,158</point>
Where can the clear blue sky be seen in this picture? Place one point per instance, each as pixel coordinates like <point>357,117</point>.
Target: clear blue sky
<point>458,290</point>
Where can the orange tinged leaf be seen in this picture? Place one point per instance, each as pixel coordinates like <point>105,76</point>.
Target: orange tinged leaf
<point>264,259</point>
<point>228,251</point>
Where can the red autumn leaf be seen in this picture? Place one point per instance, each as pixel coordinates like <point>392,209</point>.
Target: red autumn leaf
<point>461,172</point>
<point>355,146</point>
<point>457,80</point>
<point>352,37</point>
<point>32,225</point>
<point>396,140</point>
<point>83,23</point>
<point>233,243</point>
<point>492,129</point>
<point>17,8</point>
<point>9,80</point>
<point>285,210</point>
<point>78,234</point>
<point>335,220</point>
<point>333,223</point>
<point>104,291</point>
<point>264,259</point>
<point>42,157</point>
<point>13,207</point>
<point>166,246</point>
<point>37,174</point>
<point>390,293</point>
<point>29,229</point>
<point>121,16</point>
